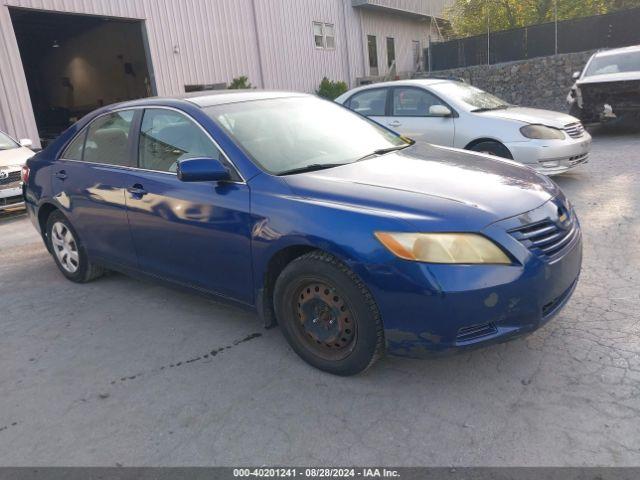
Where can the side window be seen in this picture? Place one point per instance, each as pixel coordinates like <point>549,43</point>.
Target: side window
<point>76,148</point>
<point>108,139</point>
<point>413,102</point>
<point>370,102</point>
<point>166,137</point>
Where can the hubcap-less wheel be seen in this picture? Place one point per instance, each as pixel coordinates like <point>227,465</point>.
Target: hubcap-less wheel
<point>325,322</point>
<point>65,247</point>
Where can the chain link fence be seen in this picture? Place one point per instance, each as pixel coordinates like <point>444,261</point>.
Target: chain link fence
<point>617,29</point>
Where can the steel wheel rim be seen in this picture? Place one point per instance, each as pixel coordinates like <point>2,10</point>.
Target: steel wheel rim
<point>65,247</point>
<point>324,321</point>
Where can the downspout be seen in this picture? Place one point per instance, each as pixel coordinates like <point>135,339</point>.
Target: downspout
<point>255,28</point>
<point>345,6</point>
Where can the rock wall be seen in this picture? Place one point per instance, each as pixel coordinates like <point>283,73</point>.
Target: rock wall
<point>538,82</point>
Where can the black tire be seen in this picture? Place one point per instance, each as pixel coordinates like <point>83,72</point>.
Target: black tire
<point>357,340</point>
<point>492,148</point>
<point>85,270</point>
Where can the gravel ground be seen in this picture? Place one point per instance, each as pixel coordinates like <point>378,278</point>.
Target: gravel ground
<point>120,371</point>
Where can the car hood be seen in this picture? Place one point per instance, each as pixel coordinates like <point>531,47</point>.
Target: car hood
<point>609,77</point>
<point>435,187</point>
<point>15,156</point>
<point>532,116</point>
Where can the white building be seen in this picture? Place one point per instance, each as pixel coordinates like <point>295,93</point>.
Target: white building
<point>60,59</point>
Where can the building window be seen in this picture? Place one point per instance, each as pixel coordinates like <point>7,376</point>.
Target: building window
<point>391,51</point>
<point>373,55</point>
<point>324,35</point>
<point>330,36</point>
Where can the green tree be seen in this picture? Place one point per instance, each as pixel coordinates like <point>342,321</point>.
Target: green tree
<point>470,17</point>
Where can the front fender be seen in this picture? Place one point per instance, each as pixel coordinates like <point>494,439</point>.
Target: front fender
<point>283,220</point>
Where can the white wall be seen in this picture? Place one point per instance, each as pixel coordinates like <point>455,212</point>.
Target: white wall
<point>403,29</point>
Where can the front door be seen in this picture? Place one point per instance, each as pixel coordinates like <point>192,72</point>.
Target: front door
<point>89,181</point>
<point>197,234</point>
<point>410,116</point>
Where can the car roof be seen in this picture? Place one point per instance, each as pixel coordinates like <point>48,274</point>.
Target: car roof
<point>221,97</point>
<point>416,82</point>
<point>206,98</point>
<point>615,51</point>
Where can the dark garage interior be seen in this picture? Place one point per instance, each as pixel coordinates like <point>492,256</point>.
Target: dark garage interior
<point>77,63</point>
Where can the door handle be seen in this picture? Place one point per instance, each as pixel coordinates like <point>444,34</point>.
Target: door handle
<point>61,175</point>
<point>395,123</point>
<point>137,190</point>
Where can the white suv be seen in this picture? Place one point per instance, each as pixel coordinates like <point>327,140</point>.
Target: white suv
<point>13,156</point>
<point>454,114</point>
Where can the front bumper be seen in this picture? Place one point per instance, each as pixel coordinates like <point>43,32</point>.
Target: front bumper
<point>429,308</point>
<point>552,157</point>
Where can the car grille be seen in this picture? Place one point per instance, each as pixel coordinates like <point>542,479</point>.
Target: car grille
<point>578,159</point>
<point>7,202</point>
<point>12,178</point>
<point>546,238</point>
<point>574,130</point>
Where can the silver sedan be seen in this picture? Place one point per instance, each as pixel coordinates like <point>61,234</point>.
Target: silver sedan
<point>454,114</point>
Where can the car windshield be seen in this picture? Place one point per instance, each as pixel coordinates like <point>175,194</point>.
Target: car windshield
<point>617,63</point>
<point>6,142</point>
<point>293,134</point>
<point>475,99</point>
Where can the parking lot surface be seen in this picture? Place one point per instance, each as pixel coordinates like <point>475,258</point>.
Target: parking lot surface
<point>124,372</point>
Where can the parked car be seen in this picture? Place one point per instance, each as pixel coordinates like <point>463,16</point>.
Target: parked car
<point>608,87</point>
<point>13,155</point>
<point>353,238</point>
<point>454,114</point>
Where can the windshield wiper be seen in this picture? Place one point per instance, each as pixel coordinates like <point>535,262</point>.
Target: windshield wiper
<point>382,151</point>
<point>311,168</point>
<point>488,109</point>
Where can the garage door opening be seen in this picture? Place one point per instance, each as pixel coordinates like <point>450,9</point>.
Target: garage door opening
<point>77,63</point>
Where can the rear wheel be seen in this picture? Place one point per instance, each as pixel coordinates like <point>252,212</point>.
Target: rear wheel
<point>492,148</point>
<point>68,252</point>
<point>327,315</point>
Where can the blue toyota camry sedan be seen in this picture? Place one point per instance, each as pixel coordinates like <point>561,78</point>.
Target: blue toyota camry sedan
<point>353,239</point>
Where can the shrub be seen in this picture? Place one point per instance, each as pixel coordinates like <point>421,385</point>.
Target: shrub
<point>240,83</point>
<point>331,90</point>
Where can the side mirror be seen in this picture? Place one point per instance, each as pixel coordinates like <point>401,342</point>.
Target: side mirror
<point>576,75</point>
<point>202,170</point>
<point>25,142</point>
<point>439,111</point>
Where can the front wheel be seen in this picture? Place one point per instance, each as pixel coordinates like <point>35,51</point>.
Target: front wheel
<point>68,252</point>
<point>327,315</point>
<point>492,148</point>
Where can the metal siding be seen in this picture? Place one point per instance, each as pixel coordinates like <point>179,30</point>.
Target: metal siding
<point>218,41</point>
<point>420,7</point>
<point>404,30</point>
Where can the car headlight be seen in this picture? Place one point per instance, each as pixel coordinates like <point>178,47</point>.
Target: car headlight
<point>464,248</point>
<point>542,132</point>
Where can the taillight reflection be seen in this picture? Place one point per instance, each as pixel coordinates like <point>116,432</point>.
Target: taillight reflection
<point>24,174</point>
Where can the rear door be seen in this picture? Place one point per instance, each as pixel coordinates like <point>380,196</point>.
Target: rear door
<point>199,233</point>
<point>89,181</point>
<point>409,115</point>
<point>371,103</point>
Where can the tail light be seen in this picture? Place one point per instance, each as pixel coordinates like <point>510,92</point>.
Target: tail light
<point>24,174</point>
